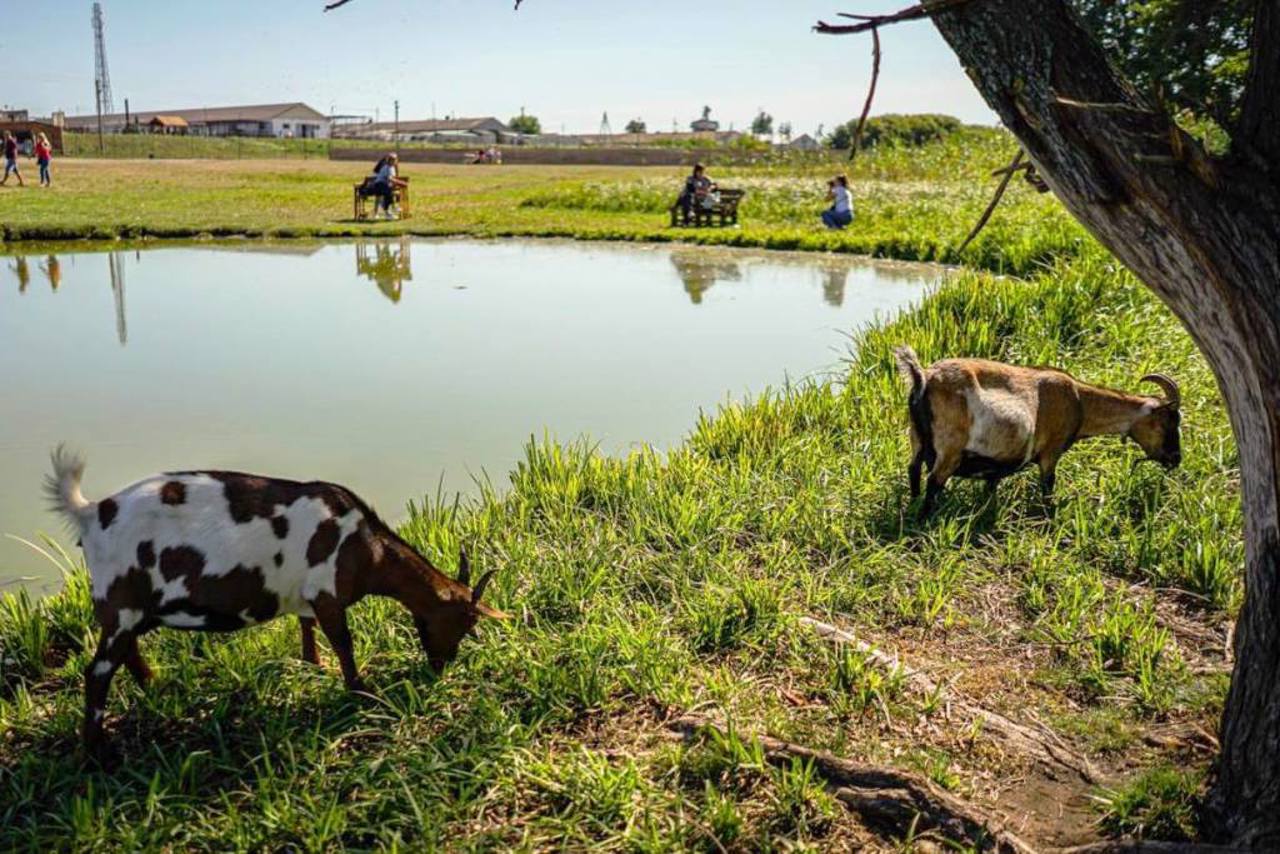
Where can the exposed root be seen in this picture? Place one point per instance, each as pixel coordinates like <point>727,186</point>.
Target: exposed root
<point>1142,846</point>
<point>1047,750</point>
<point>887,799</point>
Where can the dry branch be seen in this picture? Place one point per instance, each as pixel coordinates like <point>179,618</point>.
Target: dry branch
<point>870,22</point>
<point>1022,739</point>
<point>1007,171</point>
<point>885,798</point>
<point>871,93</point>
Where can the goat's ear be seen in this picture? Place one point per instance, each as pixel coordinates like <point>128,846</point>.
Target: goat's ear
<point>464,566</point>
<point>484,609</point>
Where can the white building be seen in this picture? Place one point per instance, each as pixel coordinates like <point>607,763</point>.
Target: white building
<point>278,120</point>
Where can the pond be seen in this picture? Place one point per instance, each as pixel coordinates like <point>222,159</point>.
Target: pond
<point>398,367</point>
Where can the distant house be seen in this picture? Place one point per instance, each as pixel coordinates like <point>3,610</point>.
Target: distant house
<point>294,119</point>
<point>804,142</point>
<point>25,131</point>
<point>8,115</point>
<point>168,124</point>
<point>477,131</point>
<point>706,124</point>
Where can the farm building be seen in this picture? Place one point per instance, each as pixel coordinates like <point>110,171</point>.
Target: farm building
<point>276,120</point>
<point>26,129</point>
<point>472,131</point>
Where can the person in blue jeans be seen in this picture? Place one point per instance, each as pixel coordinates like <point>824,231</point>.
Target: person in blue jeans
<point>11,158</point>
<point>840,213</point>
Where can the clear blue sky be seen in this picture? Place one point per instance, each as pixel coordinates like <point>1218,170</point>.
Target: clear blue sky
<point>566,61</point>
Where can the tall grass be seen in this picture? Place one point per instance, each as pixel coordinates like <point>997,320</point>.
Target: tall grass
<point>654,583</point>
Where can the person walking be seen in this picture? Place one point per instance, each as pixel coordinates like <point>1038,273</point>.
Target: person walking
<point>44,155</point>
<point>840,214</point>
<point>11,159</point>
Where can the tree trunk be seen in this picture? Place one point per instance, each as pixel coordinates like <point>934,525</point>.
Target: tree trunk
<point>1205,236</point>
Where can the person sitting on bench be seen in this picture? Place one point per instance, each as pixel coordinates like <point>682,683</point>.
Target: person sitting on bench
<point>383,184</point>
<point>696,189</point>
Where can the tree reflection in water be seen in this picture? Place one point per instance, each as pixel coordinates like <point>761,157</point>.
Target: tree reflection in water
<point>699,273</point>
<point>386,264</point>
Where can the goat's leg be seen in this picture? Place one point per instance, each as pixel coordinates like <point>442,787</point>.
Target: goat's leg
<point>1048,474</point>
<point>943,467</point>
<point>107,659</point>
<point>136,664</point>
<point>309,653</point>
<point>332,618</point>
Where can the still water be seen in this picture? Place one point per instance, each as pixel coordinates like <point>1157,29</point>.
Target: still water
<point>394,367</point>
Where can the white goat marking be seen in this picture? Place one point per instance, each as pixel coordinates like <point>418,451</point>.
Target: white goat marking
<point>183,620</point>
<point>1002,422</point>
<point>203,522</point>
<point>102,668</point>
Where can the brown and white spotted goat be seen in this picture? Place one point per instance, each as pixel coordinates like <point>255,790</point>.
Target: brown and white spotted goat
<point>218,551</point>
<point>983,419</point>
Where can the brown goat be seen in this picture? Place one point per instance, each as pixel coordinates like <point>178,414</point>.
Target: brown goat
<point>984,419</point>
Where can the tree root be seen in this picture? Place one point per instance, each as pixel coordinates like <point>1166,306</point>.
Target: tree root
<point>886,799</point>
<point>1042,747</point>
<point>1143,846</point>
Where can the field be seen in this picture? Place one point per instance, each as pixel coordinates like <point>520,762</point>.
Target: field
<point>1060,666</point>
<point>914,205</point>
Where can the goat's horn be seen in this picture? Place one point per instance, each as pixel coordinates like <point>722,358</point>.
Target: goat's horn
<point>464,565</point>
<point>1170,388</point>
<point>478,590</point>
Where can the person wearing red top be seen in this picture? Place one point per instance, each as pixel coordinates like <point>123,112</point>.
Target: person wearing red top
<point>44,154</point>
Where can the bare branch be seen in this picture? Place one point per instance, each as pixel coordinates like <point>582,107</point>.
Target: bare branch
<point>329,7</point>
<point>1008,172</point>
<point>870,22</point>
<point>871,93</point>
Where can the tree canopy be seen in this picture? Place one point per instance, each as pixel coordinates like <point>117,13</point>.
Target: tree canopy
<point>1194,53</point>
<point>525,123</point>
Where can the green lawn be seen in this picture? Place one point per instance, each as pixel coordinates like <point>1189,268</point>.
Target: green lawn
<point>654,586</point>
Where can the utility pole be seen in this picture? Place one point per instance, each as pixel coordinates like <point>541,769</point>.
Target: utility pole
<point>397,127</point>
<point>97,100</point>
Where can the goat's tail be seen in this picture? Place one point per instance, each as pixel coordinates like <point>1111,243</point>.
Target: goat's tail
<point>62,487</point>
<point>909,368</point>
<point>917,401</point>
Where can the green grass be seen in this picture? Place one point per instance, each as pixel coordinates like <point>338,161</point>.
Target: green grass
<point>651,585</point>
<point>912,203</point>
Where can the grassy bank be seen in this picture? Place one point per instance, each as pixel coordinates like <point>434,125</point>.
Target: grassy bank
<point>913,204</point>
<point>648,587</point>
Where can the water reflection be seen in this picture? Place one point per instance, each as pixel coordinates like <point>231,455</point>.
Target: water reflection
<point>22,271</point>
<point>834,280</point>
<point>386,264</point>
<point>52,270</point>
<point>699,273</point>
<point>115,265</point>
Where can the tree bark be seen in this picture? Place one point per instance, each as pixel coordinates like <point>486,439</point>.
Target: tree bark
<point>1205,236</point>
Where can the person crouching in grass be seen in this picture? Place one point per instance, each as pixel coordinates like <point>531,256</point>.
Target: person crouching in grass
<point>840,214</point>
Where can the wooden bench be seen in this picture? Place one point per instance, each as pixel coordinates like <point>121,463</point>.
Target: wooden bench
<point>400,196</point>
<point>726,208</point>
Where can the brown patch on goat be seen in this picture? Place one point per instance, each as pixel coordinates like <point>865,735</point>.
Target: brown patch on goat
<point>279,559</point>
<point>173,492</point>
<point>132,590</point>
<point>146,554</point>
<point>107,510</point>
<point>280,526</point>
<point>241,589</point>
<point>323,542</point>
<point>251,496</point>
<point>353,566</point>
<point>178,561</point>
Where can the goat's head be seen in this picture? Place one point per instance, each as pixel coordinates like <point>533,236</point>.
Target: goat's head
<point>1157,430</point>
<point>453,615</point>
